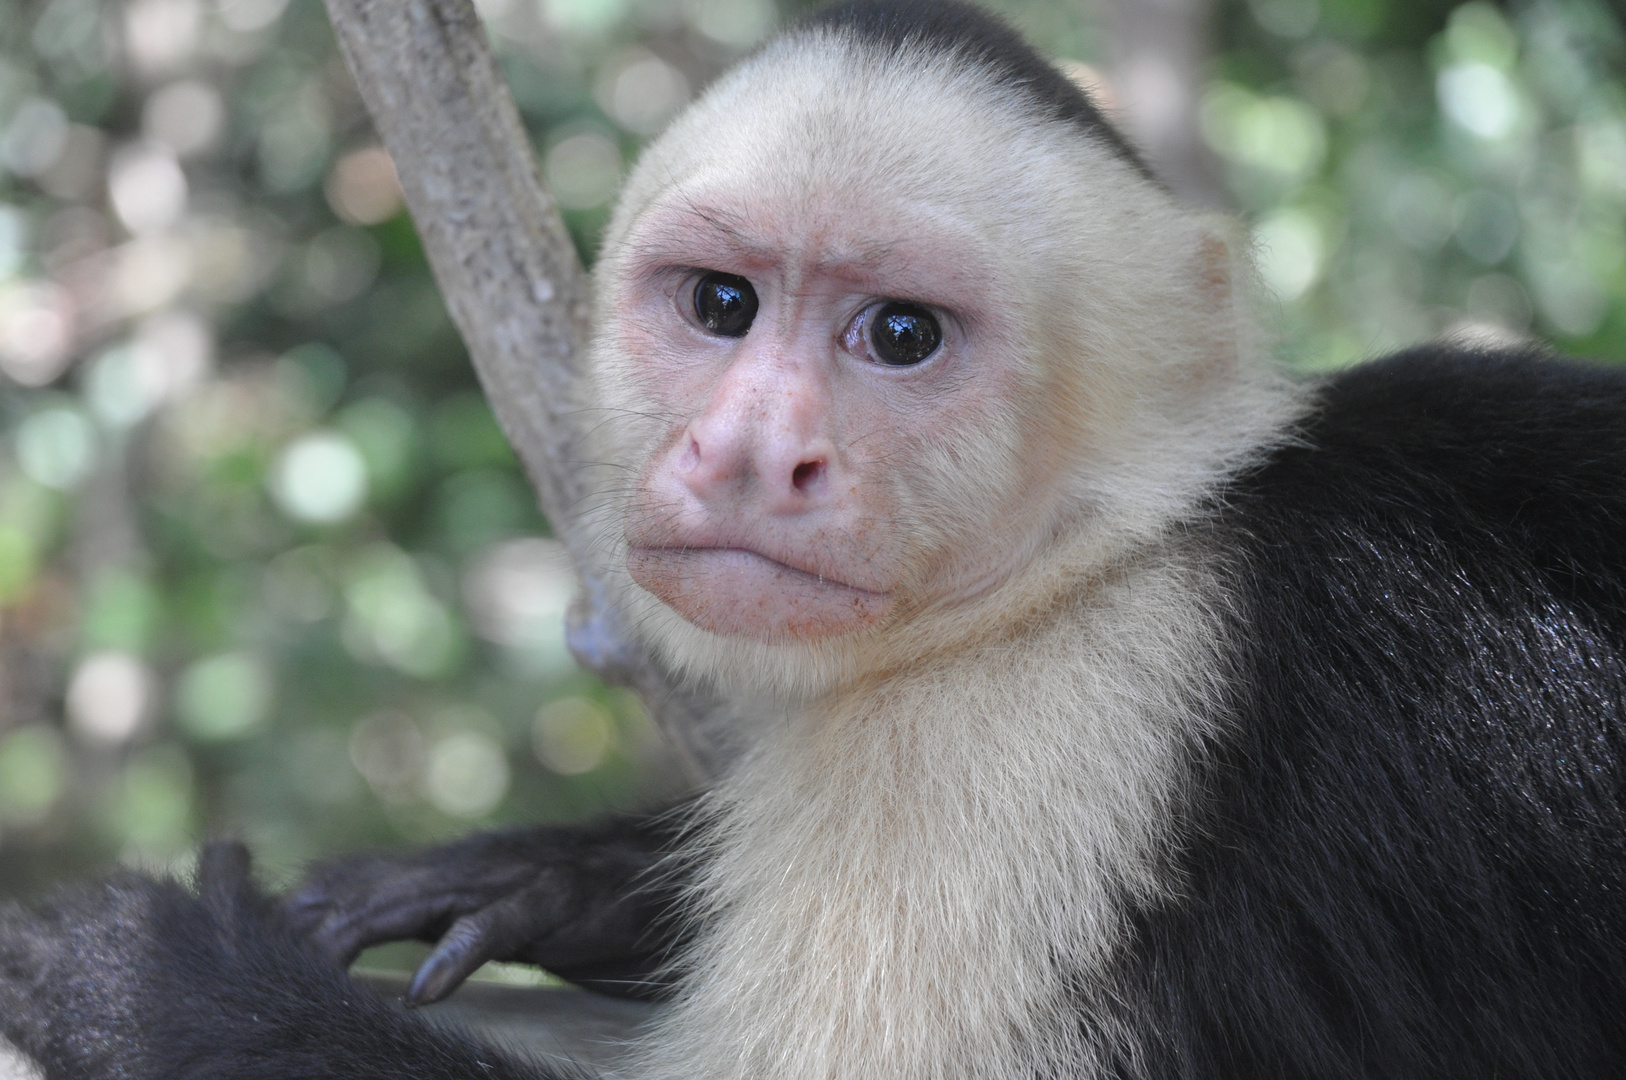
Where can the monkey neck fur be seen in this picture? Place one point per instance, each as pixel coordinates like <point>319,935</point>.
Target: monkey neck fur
<point>946,852</point>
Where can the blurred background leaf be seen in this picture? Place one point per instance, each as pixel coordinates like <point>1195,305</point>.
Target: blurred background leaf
<point>267,566</point>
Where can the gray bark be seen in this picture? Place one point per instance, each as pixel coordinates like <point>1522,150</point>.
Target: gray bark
<point>1159,52</point>
<point>511,280</point>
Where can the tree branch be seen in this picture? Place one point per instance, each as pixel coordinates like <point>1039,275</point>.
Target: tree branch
<point>511,280</point>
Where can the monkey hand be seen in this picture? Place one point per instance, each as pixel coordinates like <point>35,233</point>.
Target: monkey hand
<point>141,979</point>
<point>581,902</point>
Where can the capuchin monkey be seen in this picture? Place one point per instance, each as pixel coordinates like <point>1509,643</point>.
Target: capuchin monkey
<point>1130,709</point>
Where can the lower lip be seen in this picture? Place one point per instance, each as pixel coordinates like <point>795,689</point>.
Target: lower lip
<point>734,592</point>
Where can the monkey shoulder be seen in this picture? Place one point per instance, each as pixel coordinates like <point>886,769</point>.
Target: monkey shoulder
<point>1444,512</point>
<point>1408,850</point>
<point>1513,447</point>
<point>1430,590</point>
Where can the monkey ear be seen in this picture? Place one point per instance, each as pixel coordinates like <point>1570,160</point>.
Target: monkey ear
<point>1215,268</point>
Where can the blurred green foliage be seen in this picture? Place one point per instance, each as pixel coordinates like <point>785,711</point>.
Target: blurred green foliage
<point>1413,170</point>
<point>267,565</point>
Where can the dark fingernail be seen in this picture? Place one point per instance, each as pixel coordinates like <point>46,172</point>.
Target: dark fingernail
<point>433,980</point>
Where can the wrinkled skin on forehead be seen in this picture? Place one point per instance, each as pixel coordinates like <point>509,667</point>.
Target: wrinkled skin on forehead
<point>785,485</point>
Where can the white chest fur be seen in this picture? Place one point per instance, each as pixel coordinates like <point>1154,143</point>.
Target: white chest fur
<point>925,878</point>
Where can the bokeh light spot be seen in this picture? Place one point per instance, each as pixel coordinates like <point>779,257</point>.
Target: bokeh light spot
<point>122,609</point>
<point>109,697</point>
<point>223,697</point>
<point>186,116</point>
<point>168,357</point>
<point>1477,31</point>
<point>13,239</point>
<point>388,750</point>
<point>1280,135</point>
<point>56,447</point>
<point>151,812</point>
<point>320,478</point>
<point>362,187</point>
<point>393,618</point>
<point>1291,251</point>
<point>735,23</point>
<point>147,187</point>
<point>468,775</point>
<point>572,735</point>
<point>149,272</point>
<point>246,16</point>
<point>36,331</point>
<point>517,592</point>
<point>583,16</point>
<point>33,774</point>
<point>641,91</point>
<point>583,170</point>
<point>1479,99</point>
<point>35,138</point>
<point>161,34</point>
<point>338,265</point>
<point>386,435</point>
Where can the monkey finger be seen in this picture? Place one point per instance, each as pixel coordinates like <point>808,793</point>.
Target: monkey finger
<point>222,864</point>
<point>496,932</point>
<point>305,910</point>
<point>223,875</point>
<point>344,935</point>
<point>467,945</point>
<point>346,884</point>
<point>340,921</point>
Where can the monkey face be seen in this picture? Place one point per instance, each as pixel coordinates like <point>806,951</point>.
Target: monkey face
<point>863,359</point>
<point>827,374</point>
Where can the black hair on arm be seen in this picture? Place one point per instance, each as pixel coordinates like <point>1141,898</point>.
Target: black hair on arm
<point>984,40</point>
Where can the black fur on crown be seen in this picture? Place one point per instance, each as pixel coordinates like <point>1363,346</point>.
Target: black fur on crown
<point>984,40</point>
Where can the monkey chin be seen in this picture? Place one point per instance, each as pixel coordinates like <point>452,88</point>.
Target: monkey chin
<point>735,592</point>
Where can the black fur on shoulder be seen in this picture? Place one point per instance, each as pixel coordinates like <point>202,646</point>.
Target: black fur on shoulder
<point>1410,856</point>
<point>981,39</point>
<point>138,979</point>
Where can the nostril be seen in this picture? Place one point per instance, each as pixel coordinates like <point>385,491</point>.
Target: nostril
<point>807,476</point>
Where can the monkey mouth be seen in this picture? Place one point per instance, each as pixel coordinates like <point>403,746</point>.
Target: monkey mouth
<point>740,592</point>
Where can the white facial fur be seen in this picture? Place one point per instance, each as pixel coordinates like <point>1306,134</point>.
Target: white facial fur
<point>918,866</point>
<point>1096,377</point>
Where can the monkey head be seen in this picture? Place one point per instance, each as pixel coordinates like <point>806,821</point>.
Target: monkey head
<point>878,372</point>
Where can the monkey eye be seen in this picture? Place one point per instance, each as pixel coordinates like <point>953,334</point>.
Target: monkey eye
<point>725,304</point>
<point>904,334</point>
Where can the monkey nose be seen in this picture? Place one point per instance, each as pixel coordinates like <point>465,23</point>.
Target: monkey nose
<point>810,477</point>
<point>761,474</point>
